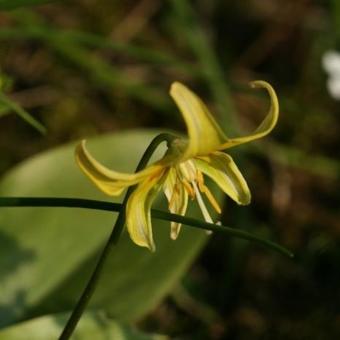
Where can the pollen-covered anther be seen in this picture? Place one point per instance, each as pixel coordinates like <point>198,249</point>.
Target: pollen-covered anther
<point>187,173</point>
<point>203,188</point>
<point>189,188</point>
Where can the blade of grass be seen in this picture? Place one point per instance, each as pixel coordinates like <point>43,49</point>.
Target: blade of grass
<point>4,110</point>
<point>335,5</point>
<point>107,76</point>
<point>151,55</point>
<point>208,62</point>
<point>11,105</point>
<point>98,70</point>
<point>292,156</point>
<point>11,4</point>
<point>86,39</point>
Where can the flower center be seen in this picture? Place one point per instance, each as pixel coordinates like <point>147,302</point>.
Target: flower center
<point>177,147</point>
<point>193,182</point>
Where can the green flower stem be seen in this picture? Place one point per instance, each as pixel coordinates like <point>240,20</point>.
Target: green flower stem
<point>114,237</point>
<point>109,206</point>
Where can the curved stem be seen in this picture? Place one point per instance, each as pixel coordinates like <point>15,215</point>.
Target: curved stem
<point>113,239</point>
<point>109,206</point>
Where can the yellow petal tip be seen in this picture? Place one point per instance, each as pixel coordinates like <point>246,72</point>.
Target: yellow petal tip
<point>259,83</point>
<point>265,85</point>
<point>173,235</point>
<point>246,202</point>
<point>176,86</point>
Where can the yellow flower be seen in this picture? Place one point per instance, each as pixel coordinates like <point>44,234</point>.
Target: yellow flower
<point>180,173</point>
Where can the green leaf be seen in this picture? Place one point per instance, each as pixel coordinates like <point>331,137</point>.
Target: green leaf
<point>47,255</point>
<point>11,4</point>
<point>92,326</point>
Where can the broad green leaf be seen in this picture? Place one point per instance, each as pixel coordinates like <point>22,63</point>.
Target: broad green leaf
<point>11,4</point>
<point>92,326</point>
<point>47,254</point>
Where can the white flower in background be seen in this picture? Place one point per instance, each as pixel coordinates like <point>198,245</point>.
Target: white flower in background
<point>331,64</point>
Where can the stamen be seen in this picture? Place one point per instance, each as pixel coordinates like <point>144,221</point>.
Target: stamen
<point>212,199</point>
<point>188,188</point>
<point>203,188</point>
<point>200,179</point>
<point>204,209</point>
<point>188,170</point>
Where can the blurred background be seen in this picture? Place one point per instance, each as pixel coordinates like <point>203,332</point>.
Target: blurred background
<point>84,68</point>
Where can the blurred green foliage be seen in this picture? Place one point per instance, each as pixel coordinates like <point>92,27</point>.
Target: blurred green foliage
<point>84,68</point>
<point>92,326</point>
<point>11,4</point>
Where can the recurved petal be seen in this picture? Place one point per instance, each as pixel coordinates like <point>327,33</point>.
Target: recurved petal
<point>110,182</point>
<point>177,199</point>
<point>266,125</point>
<point>221,168</point>
<point>138,210</point>
<point>204,133</point>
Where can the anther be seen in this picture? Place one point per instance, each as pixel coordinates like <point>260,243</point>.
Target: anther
<point>203,188</point>
<point>188,188</point>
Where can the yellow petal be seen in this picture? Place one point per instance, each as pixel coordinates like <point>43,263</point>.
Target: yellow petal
<point>221,168</point>
<point>110,182</point>
<point>177,198</point>
<point>267,124</point>
<point>204,133</point>
<point>138,210</point>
